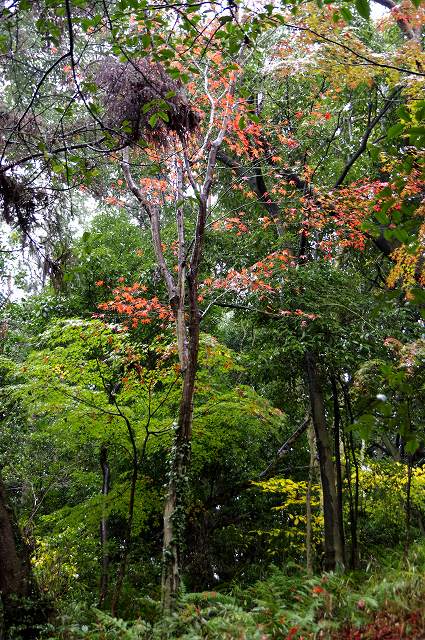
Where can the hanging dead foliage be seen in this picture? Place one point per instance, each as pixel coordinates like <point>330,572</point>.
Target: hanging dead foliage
<point>142,102</point>
<point>15,126</point>
<point>19,202</point>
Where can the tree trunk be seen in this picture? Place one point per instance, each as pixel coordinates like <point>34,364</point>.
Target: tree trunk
<point>18,591</point>
<point>309,523</point>
<point>354,541</point>
<point>174,510</point>
<point>354,499</point>
<point>408,504</point>
<point>129,525</point>
<point>338,467</point>
<point>334,555</point>
<point>104,465</point>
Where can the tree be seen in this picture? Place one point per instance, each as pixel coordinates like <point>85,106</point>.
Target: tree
<point>272,144</point>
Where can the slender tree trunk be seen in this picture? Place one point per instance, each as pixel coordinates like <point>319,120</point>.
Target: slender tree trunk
<point>309,524</point>
<point>420,522</point>
<point>129,526</point>
<point>354,538</point>
<point>353,520</point>
<point>408,504</point>
<point>19,597</point>
<point>174,510</point>
<point>104,465</point>
<point>354,499</point>
<point>334,555</point>
<point>338,467</point>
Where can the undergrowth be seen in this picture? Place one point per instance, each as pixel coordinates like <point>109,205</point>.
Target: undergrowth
<point>287,605</point>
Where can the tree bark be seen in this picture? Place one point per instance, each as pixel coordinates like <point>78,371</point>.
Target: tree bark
<point>408,504</point>
<point>174,510</point>
<point>338,466</point>
<point>354,498</point>
<point>333,547</point>
<point>18,591</point>
<point>309,523</point>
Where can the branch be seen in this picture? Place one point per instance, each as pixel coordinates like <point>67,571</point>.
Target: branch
<point>216,144</point>
<point>87,402</point>
<point>33,97</point>
<point>73,65</point>
<point>181,270</point>
<point>73,147</point>
<point>256,183</point>
<point>208,180</point>
<point>285,447</point>
<point>363,143</point>
<point>189,173</point>
<point>153,214</point>
<point>369,61</point>
<point>272,208</point>
<point>248,484</point>
<point>131,184</point>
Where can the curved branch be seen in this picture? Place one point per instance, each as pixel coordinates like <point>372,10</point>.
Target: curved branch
<point>363,143</point>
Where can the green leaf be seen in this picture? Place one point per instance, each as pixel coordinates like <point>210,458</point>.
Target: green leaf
<point>167,54</point>
<point>364,425</point>
<point>418,295</point>
<point>164,116</point>
<point>4,43</point>
<point>395,130</point>
<point>381,217</point>
<point>146,40</point>
<point>363,8</point>
<point>401,235</point>
<point>346,14</point>
<point>412,445</point>
<point>242,123</point>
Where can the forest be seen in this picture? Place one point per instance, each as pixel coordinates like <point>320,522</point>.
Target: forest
<point>212,308</point>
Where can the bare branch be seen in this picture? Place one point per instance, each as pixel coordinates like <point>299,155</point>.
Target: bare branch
<point>153,214</point>
<point>286,446</point>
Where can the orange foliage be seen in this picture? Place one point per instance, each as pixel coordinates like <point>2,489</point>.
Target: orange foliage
<point>128,301</point>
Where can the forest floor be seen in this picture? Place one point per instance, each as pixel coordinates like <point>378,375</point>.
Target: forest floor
<point>388,626</point>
